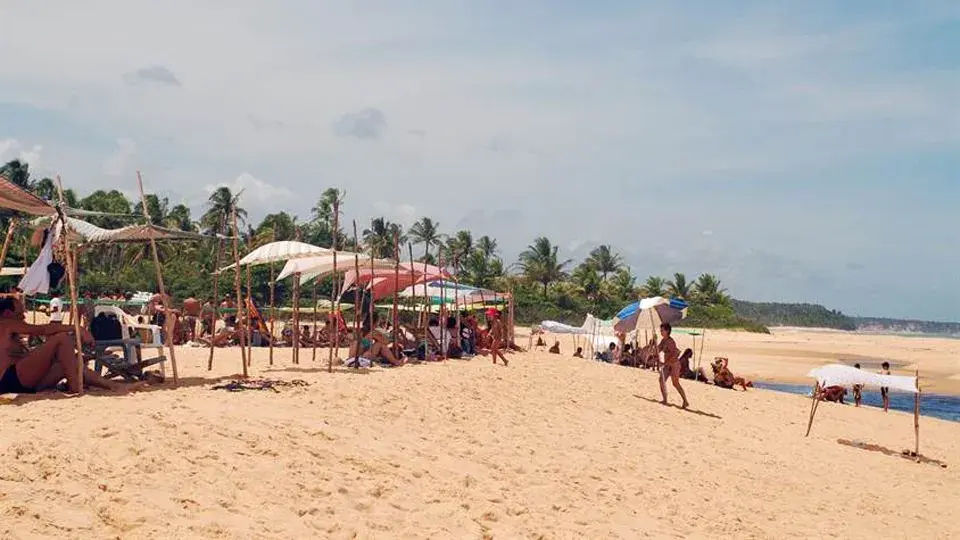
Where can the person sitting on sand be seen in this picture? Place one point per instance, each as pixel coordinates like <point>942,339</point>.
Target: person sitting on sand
<point>24,371</point>
<point>555,348</point>
<point>724,378</point>
<point>540,343</point>
<point>686,372</point>
<point>578,353</point>
<point>372,348</point>
<point>671,364</point>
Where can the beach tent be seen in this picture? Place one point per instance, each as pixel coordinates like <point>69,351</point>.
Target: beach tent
<point>655,311</point>
<point>383,282</point>
<point>841,375</point>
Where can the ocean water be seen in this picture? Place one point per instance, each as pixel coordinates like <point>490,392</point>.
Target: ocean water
<point>936,405</point>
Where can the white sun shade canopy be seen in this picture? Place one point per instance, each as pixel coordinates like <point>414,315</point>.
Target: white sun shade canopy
<point>280,251</point>
<point>312,267</point>
<point>841,375</point>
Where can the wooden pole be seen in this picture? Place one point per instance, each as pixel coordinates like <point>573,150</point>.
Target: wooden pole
<point>413,280</point>
<point>295,334</point>
<point>6,241</point>
<point>358,335</point>
<point>168,319</point>
<point>395,317</point>
<point>273,314</point>
<point>248,312</point>
<point>72,282</point>
<point>813,406</point>
<point>916,416</point>
<point>315,280</point>
<point>236,282</point>
<point>335,293</point>
<point>370,289</point>
<point>216,298</point>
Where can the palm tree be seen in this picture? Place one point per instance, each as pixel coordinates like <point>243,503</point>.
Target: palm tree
<point>179,218</point>
<point>458,247</point>
<point>487,246</point>
<point>678,287</point>
<point>653,286</point>
<point>379,237</point>
<point>17,172</point>
<point>540,263</point>
<point>46,189</point>
<point>279,226</point>
<point>480,270</point>
<point>709,291</point>
<point>605,260</point>
<point>586,277</point>
<point>624,285</point>
<point>220,207</point>
<point>427,232</point>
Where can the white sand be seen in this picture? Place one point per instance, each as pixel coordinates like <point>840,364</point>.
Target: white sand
<point>551,447</point>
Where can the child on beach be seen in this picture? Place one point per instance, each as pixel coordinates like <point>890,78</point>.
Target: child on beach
<point>671,364</point>
<point>885,391</point>
<point>857,391</point>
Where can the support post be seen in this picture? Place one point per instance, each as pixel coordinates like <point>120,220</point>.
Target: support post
<point>314,339</point>
<point>273,314</point>
<point>6,241</point>
<point>295,334</point>
<point>395,317</point>
<point>168,319</point>
<point>216,299</point>
<point>916,417</point>
<point>813,406</point>
<point>334,315</point>
<point>236,282</point>
<point>358,335</point>
<point>248,310</point>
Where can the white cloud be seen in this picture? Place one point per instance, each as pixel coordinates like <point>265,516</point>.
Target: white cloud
<point>119,163</point>
<point>403,214</point>
<point>12,149</point>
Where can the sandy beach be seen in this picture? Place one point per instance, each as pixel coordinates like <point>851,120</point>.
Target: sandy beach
<point>549,447</point>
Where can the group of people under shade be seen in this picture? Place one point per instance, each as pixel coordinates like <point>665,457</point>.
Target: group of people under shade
<point>453,337</point>
<point>836,393</point>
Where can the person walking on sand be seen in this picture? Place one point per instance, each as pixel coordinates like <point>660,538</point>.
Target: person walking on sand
<point>671,364</point>
<point>496,337</point>
<point>884,390</point>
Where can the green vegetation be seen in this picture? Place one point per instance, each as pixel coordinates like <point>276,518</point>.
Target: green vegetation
<point>803,315</point>
<point>544,283</point>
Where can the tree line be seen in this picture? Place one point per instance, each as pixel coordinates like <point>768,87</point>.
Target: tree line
<point>545,285</point>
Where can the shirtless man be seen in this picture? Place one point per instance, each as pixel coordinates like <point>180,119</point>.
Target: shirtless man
<point>671,364</point>
<point>25,371</point>
<point>496,338</point>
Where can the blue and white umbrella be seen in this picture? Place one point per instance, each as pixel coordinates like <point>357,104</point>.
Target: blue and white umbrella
<point>658,310</point>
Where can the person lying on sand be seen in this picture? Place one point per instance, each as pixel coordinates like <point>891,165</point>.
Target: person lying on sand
<point>671,364</point>
<point>25,371</point>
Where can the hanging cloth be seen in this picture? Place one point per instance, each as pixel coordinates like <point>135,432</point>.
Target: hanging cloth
<point>37,278</point>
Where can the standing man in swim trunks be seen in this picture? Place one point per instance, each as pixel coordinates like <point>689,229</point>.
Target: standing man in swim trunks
<point>497,333</point>
<point>671,364</point>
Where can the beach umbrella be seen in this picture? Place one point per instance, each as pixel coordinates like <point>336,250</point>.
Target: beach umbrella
<point>658,309</point>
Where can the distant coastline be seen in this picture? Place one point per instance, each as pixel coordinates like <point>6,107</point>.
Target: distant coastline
<point>817,317</point>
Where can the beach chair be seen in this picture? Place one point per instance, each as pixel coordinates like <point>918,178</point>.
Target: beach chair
<point>110,333</point>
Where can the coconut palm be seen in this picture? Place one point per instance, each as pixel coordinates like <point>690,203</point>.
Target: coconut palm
<point>481,270</point>
<point>426,232</point>
<point>458,247</point>
<point>17,172</point>
<point>540,263</point>
<point>220,207</point>
<point>605,260</point>
<point>586,277</point>
<point>179,218</point>
<point>678,287</point>
<point>709,291</point>
<point>487,246</point>
<point>380,236</point>
<point>653,286</point>
<point>624,284</point>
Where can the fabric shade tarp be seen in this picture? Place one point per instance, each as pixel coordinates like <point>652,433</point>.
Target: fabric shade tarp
<point>13,197</point>
<point>313,267</point>
<point>283,250</point>
<point>555,327</point>
<point>80,231</point>
<point>451,292</point>
<point>657,308</point>
<point>841,375</point>
<point>384,282</point>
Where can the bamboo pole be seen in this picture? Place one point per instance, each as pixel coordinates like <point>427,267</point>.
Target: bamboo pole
<point>315,280</point>
<point>358,335</point>
<point>248,312</point>
<point>6,241</point>
<point>370,289</point>
<point>168,319</point>
<point>413,280</point>
<point>295,333</point>
<point>273,314</point>
<point>335,292</point>
<point>236,283</point>
<point>216,298</point>
<point>395,316</point>
<point>813,406</point>
<point>72,282</point>
<point>916,416</point>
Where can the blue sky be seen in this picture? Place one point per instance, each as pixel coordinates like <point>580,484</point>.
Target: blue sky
<point>802,151</point>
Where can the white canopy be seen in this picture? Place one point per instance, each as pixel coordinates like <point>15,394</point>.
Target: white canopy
<point>312,267</point>
<point>280,251</point>
<point>555,327</point>
<point>841,375</point>
<point>87,233</point>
